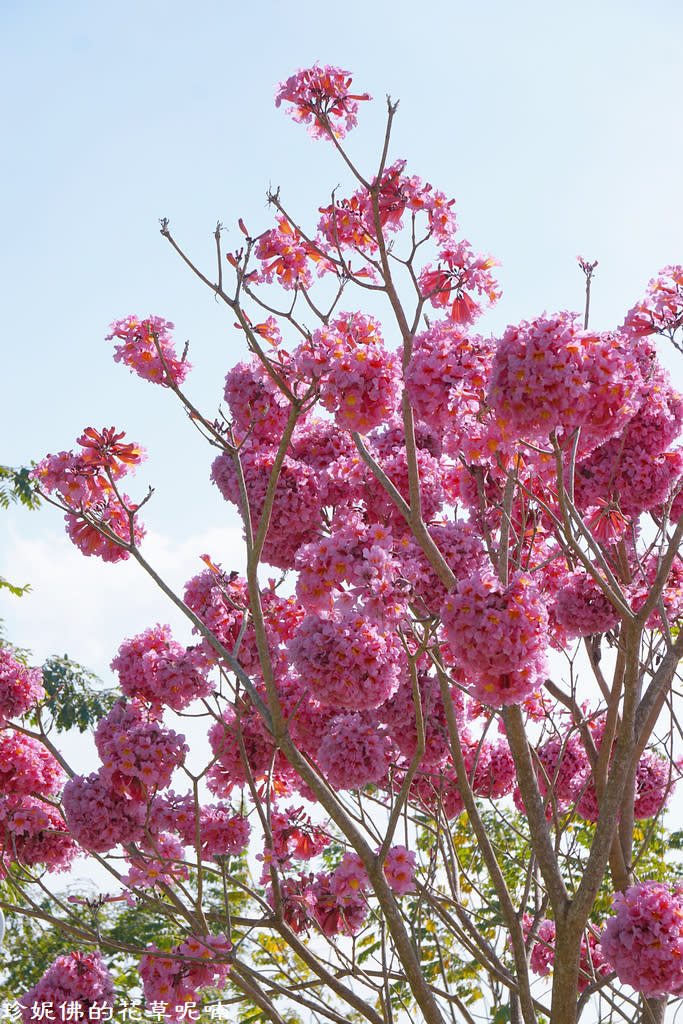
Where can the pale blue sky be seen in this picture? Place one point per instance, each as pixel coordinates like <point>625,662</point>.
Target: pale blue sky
<point>555,126</point>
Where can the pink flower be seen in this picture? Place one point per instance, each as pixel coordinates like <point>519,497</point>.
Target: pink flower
<point>154,667</point>
<point>459,273</point>
<point>399,870</point>
<point>347,661</point>
<point>176,978</point>
<point>20,688</point>
<point>591,964</point>
<point>138,755</point>
<point>661,311</point>
<point>98,816</point>
<point>27,767</point>
<point>320,98</point>
<point>498,634</point>
<point>147,350</point>
<point>644,940</point>
<point>354,751</point>
<point>76,977</point>
<point>357,378</point>
<point>549,374</point>
<point>33,832</point>
<point>286,257</point>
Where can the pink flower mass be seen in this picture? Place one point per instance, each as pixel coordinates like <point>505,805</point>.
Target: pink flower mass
<point>412,724</point>
<point>644,939</point>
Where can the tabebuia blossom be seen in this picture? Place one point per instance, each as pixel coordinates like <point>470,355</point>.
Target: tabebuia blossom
<point>320,98</point>
<point>99,816</point>
<point>159,862</point>
<point>346,661</point>
<point>296,512</point>
<point>147,349</point>
<point>447,377</point>
<point>218,828</point>
<point>79,980</point>
<point>115,518</point>
<point>177,977</point>
<point>643,941</point>
<point>33,832</point>
<point>358,379</point>
<point>21,688</point>
<point>592,963</point>
<point>355,751</point>
<point>100,519</point>
<point>257,405</point>
<point>138,754</point>
<point>459,273</point>
<point>156,668</point>
<point>661,311</point>
<point>293,836</point>
<point>240,728</point>
<point>27,766</point>
<point>498,635</point>
<point>349,224</point>
<point>583,608</point>
<point>399,870</point>
<point>549,374</point>
<point>287,258</point>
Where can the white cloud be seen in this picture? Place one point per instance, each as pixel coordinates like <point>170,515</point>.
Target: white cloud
<point>85,607</point>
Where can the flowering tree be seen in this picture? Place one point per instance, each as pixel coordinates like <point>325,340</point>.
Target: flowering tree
<point>401,726</point>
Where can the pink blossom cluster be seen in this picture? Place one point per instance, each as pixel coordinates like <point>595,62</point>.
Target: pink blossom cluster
<point>661,311</point>
<point>147,349</point>
<point>592,963</point>
<point>350,223</point>
<point>550,374</point>
<point>240,727</point>
<point>355,751</point>
<point>21,688</point>
<point>349,879</point>
<point>347,661</point>
<point>220,600</point>
<point>76,979</point>
<point>334,905</point>
<point>100,816</point>
<point>399,870</point>
<point>296,508</point>
<point>85,483</point>
<point>643,941</point>
<point>437,791</point>
<point>460,544</point>
<point>287,258</point>
<point>176,977</point>
<point>567,775</point>
<point>359,555</point>
<point>27,767</point>
<point>219,829</point>
<point>138,754</point>
<point>582,608</point>
<point>33,832</point>
<point>294,836</point>
<point>161,863</point>
<point>447,376</point>
<point>154,667</point>
<point>256,403</point>
<point>363,489</point>
<point>459,273</point>
<point>491,769</point>
<point>319,97</point>
<point>358,379</point>
<point>498,635</point>
<point>638,470</point>
<point>399,716</point>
